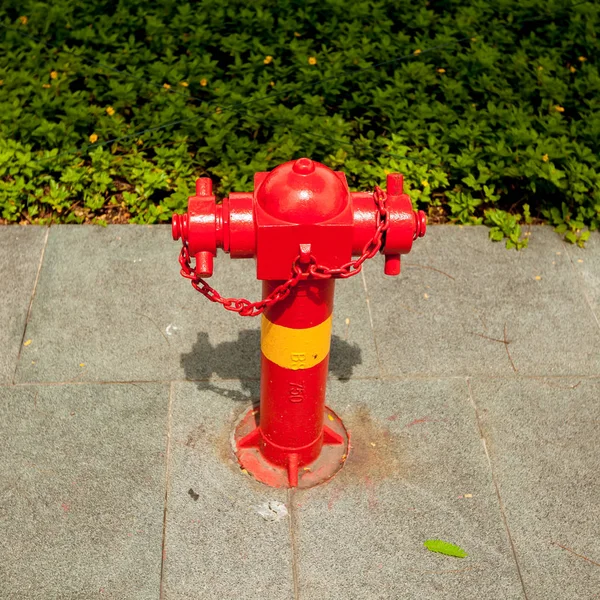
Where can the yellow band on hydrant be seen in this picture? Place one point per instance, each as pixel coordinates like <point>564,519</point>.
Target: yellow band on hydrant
<point>295,348</point>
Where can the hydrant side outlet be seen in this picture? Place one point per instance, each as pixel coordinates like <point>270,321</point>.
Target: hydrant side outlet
<point>303,226</point>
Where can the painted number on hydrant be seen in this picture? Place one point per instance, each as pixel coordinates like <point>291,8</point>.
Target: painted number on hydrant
<point>296,392</point>
<point>297,362</point>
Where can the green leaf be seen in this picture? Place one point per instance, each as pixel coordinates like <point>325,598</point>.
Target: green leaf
<point>496,234</point>
<point>445,548</point>
<point>485,131</point>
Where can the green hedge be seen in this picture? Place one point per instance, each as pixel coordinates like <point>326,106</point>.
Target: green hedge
<point>490,109</point>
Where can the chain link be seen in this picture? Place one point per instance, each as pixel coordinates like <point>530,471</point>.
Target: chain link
<point>246,308</point>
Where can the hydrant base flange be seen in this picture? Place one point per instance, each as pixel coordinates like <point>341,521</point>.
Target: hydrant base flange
<point>329,462</point>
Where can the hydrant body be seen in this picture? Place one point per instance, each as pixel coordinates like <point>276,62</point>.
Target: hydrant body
<point>291,429</point>
<point>300,217</point>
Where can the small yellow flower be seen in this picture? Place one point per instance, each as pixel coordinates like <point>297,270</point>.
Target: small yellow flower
<point>166,86</point>
<point>312,60</point>
<point>558,108</point>
<point>1,81</point>
<point>93,138</point>
<point>23,20</point>
<point>110,111</point>
<point>572,69</point>
<point>53,74</point>
<point>139,142</point>
<point>272,84</point>
<point>203,82</point>
<point>582,59</point>
<point>540,68</point>
<point>297,34</point>
<point>417,52</point>
<point>218,110</point>
<point>46,85</point>
<point>184,84</point>
<point>424,183</point>
<point>441,70</point>
<point>268,60</point>
<point>545,158</point>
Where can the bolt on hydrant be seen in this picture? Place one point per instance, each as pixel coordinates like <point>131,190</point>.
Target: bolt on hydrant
<point>303,226</point>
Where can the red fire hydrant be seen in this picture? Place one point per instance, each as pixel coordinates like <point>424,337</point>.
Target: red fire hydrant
<point>303,226</point>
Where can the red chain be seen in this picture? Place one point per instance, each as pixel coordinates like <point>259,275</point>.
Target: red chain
<point>252,309</point>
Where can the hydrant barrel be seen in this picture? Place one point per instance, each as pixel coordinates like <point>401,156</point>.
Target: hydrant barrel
<point>295,341</point>
<point>292,426</point>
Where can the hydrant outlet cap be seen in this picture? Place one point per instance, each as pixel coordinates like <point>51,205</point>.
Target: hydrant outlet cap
<point>304,166</point>
<point>176,227</point>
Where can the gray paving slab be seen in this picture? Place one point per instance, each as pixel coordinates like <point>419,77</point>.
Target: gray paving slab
<point>416,471</point>
<point>217,543</point>
<point>82,492</point>
<point>542,436</point>
<point>458,296</point>
<point>84,479</point>
<point>586,262</point>
<point>20,251</point>
<point>112,307</point>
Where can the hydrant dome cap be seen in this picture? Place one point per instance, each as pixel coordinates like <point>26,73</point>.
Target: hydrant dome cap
<point>303,191</point>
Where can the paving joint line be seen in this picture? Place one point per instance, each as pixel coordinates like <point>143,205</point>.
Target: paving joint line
<point>496,486</point>
<point>486,376</point>
<point>293,541</point>
<point>29,308</point>
<point>368,301</point>
<point>91,382</point>
<point>583,287</point>
<point>166,497</point>
<point>384,379</point>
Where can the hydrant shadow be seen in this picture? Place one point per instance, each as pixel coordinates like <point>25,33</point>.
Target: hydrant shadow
<point>240,360</point>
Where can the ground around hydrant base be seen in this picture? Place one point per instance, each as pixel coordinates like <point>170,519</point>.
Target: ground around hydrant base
<point>469,385</point>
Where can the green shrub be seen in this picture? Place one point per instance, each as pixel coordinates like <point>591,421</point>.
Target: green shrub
<point>491,110</point>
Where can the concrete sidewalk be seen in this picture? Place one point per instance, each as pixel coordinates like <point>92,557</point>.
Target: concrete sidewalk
<point>470,386</point>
